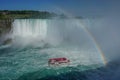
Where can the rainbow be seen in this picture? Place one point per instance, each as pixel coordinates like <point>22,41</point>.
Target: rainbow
<point>80,24</point>
<point>98,48</point>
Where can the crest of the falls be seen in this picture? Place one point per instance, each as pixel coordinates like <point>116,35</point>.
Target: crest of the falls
<point>30,28</point>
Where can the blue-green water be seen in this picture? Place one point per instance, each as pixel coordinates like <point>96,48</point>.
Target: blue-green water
<point>31,63</point>
<point>34,41</point>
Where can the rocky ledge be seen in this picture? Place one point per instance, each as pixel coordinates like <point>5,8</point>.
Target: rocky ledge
<point>5,28</point>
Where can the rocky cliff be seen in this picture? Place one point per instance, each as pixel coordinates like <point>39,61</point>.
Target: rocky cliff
<point>5,28</point>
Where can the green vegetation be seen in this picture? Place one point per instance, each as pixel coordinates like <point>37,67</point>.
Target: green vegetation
<point>30,14</point>
<point>6,14</point>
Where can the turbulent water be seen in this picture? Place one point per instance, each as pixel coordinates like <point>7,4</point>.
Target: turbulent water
<point>34,41</point>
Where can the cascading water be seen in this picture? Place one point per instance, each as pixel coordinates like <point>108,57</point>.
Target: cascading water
<point>65,37</point>
<point>30,28</point>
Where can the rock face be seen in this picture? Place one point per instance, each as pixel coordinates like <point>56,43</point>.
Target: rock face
<point>5,28</point>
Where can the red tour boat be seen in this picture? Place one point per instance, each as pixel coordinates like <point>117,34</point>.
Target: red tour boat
<point>58,61</point>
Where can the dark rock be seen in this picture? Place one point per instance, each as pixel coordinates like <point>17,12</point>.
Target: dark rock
<point>8,41</point>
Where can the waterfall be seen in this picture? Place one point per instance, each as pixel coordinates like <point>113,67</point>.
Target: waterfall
<point>35,30</point>
<point>50,30</point>
<point>30,28</point>
<point>54,31</point>
<point>69,37</point>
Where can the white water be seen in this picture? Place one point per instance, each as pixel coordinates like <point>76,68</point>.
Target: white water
<point>31,28</point>
<point>52,31</point>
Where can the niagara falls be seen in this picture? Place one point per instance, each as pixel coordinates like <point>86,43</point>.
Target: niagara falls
<point>59,40</point>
